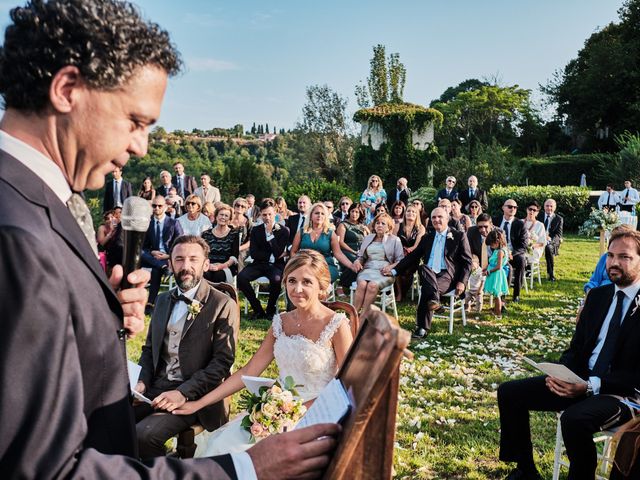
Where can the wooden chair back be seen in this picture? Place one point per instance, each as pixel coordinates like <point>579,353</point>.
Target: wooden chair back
<point>371,375</point>
<point>350,311</point>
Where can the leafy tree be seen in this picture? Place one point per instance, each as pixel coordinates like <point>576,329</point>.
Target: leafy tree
<point>267,128</point>
<point>253,129</point>
<point>385,82</point>
<point>599,91</point>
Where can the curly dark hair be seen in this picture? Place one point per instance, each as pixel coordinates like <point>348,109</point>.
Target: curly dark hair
<point>107,40</point>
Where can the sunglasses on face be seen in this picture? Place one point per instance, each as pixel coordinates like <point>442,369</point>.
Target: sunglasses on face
<point>239,206</point>
<point>473,206</point>
<point>511,206</point>
<point>158,205</point>
<point>345,203</point>
<point>190,203</point>
<point>533,209</point>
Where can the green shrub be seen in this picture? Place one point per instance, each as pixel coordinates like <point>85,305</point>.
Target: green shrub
<point>318,190</point>
<point>567,169</point>
<point>573,202</point>
<point>427,195</point>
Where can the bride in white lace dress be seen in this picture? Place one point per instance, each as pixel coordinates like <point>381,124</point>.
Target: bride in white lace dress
<point>308,343</point>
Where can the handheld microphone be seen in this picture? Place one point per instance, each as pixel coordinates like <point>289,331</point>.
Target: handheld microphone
<point>136,216</point>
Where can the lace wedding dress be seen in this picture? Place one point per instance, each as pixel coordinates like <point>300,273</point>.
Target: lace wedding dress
<point>311,364</point>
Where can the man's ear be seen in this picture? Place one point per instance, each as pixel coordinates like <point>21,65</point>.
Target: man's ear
<point>170,265</point>
<point>66,82</point>
<point>205,265</point>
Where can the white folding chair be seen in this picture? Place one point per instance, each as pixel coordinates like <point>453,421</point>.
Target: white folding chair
<point>605,457</point>
<point>386,296</point>
<point>531,273</point>
<point>257,284</point>
<point>455,304</point>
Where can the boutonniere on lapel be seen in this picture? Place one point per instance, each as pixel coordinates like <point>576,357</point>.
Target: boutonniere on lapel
<point>194,308</point>
<point>276,227</point>
<point>637,304</point>
<point>449,236</point>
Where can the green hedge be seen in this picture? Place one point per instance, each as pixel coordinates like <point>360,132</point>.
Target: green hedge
<point>428,197</point>
<point>567,169</point>
<point>318,190</point>
<point>573,202</point>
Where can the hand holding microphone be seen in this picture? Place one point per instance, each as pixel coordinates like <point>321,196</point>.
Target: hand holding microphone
<point>136,216</point>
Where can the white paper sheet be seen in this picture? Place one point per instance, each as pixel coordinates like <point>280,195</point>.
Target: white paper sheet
<point>556,370</point>
<point>330,407</point>
<point>134,373</point>
<point>253,384</point>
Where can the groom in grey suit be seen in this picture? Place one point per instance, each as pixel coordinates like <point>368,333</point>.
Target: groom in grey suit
<point>189,351</point>
<point>72,115</point>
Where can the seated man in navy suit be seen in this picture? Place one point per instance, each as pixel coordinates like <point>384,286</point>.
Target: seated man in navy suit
<point>604,352</point>
<point>160,236</point>
<point>267,249</point>
<point>446,265</point>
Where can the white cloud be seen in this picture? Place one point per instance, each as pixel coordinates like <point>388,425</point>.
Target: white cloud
<point>202,64</point>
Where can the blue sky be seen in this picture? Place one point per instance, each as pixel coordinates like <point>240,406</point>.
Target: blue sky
<point>250,61</point>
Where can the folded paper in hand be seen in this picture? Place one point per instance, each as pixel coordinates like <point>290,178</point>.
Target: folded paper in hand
<point>331,406</point>
<point>134,373</point>
<point>556,370</point>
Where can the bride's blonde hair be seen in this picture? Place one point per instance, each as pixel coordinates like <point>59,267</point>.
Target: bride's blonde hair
<point>318,265</point>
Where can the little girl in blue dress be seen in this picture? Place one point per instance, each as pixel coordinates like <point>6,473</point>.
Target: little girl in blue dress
<point>497,283</point>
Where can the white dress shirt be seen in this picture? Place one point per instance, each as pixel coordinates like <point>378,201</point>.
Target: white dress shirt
<point>632,196</point>
<point>630,293</point>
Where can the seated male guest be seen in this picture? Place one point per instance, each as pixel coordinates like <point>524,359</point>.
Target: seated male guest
<point>164,188</point>
<point>343,211</point>
<point>157,243</point>
<point>553,224</point>
<point>452,223</point>
<point>517,238</point>
<point>477,236</point>
<point>187,352</point>
<point>267,249</point>
<point>473,193</point>
<point>446,265</point>
<point>604,351</point>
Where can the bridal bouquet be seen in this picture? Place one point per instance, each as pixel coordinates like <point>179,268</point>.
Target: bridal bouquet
<point>275,410</point>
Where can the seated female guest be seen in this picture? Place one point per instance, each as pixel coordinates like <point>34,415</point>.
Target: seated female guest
<point>242,224</point>
<point>194,222</point>
<point>410,232</point>
<point>475,209</point>
<point>282,212</point>
<point>351,231</point>
<point>147,191</point>
<point>224,247</point>
<point>378,250</point>
<point>309,344</point>
<point>209,210</point>
<point>537,233</point>
<point>109,241</point>
<point>318,234</point>
<point>397,212</point>
<point>424,217</point>
<point>456,212</point>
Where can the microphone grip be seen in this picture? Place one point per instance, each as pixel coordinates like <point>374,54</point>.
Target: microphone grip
<point>131,255</point>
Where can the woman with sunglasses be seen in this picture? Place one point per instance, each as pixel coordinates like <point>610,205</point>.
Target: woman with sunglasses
<point>475,209</point>
<point>243,224</point>
<point>194,222</point>
<point>537,233</point>
<point>424,217</point>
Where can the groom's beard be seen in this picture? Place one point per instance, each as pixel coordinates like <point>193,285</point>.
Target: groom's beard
<point>188,283</point>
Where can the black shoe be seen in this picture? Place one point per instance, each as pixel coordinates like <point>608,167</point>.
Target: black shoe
<point>518,474</point>
<point>516,300</point>
<point>419,333</point>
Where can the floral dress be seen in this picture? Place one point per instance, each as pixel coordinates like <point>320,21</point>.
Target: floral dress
<point>375,198</point>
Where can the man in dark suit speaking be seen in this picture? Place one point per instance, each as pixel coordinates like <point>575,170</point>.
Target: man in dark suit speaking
<point>604,351</point>
<point>447,264</point>
<point>82,81</point>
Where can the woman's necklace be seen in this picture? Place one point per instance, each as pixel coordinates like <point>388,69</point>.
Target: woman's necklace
<point>315,234</point>
<point>221,233</point>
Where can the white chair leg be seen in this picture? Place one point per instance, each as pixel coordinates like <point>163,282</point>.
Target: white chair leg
<point>393,300</point>
<point>451,313</point>
<point>557,455</point>
<point>464,313</point>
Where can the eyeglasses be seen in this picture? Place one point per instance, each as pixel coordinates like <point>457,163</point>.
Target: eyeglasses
<point>531,209</point>
<point>345,203</point>
<point>157,205</point>
<point>240,206</point>
<point>190,203</point>
<point>511,206</point>
<point>474,206</point>
<point>451,181</point>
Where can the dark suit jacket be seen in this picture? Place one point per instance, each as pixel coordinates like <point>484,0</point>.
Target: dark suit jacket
<point>457,256</point>
<point>480,195</point>
<point>164,189</point>
<point>207,348</point>
<point>109,200</point>
<point>260,250</point>
<point>555,229</point>
<point>292,224</point>
<point>404,197</point>
<point>64,404</point>
<point>443,194</point>
<point>190,185</point>
<point>475,240</point>
<point>170,231</point>
<point>624,375</point>
<point>519,234</point>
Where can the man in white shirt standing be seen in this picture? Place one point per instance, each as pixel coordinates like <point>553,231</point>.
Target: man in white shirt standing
<point>609,199</point>
<point>628,197</point>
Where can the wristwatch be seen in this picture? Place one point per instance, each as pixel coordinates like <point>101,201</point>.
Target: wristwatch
<point>589,391</point>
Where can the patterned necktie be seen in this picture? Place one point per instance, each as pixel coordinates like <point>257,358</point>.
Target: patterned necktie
<point>605,356</point>
<point>79,210</point>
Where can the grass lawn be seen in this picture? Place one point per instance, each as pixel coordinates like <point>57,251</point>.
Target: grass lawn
<point>448,425</point>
